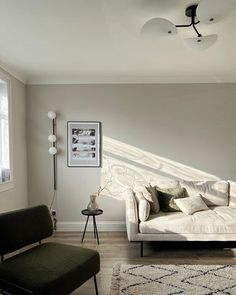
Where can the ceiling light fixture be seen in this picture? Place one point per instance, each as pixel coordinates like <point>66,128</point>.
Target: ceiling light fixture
<point>207,12</point>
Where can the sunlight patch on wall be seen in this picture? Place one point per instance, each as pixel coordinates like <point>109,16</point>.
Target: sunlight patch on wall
<point>126,166</point>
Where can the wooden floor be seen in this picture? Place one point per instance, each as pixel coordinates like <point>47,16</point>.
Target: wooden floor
<point>114,248</point>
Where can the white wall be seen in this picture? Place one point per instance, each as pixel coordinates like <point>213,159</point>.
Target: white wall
<point>17,197</point>
<point>167,131</point>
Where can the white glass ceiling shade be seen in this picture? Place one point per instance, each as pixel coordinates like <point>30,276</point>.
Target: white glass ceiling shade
<point>200,43</point>
<point>158,27</point>
<point>212,11</point>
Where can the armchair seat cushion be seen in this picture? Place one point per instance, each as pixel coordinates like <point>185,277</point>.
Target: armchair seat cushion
<point>217,220</point>
<point>51,268</point>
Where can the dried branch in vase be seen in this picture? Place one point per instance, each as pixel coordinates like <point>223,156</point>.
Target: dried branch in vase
<point>102,188</point>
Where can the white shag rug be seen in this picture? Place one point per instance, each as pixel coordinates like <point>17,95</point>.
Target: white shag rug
<point>130,279</point>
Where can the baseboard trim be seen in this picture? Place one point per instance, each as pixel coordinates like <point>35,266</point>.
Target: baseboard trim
<point>102,226</point>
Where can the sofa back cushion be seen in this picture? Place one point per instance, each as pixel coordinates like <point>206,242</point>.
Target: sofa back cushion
<point>232,194</point>
<point>214,193</point>
<point>24,227</point>
<point>143,206</point>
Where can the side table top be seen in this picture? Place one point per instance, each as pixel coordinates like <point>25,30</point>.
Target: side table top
<point>87,212</point>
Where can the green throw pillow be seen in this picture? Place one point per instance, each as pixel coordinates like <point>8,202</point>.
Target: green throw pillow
<point>166,198</point>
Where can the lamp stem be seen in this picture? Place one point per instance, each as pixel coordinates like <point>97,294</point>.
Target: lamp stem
<point>54,157</point>
<point>54,173</point>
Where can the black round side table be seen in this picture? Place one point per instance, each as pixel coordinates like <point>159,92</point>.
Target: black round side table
<point>87,213</point>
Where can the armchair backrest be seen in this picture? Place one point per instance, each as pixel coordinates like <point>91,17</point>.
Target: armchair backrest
<point>24,227</point>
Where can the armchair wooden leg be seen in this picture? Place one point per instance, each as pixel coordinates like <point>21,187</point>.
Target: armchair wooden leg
<point>142,249</point>
<point>95,283</point>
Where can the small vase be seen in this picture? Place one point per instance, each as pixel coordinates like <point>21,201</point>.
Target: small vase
<point>92,206</point>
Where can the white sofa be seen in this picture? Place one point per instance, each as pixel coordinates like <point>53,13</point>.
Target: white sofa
<point>216,224</point>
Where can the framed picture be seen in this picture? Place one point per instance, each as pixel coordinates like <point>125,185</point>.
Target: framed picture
<point>83,144</point>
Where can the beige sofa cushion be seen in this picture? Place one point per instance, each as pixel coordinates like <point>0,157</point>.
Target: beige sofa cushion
<point>232,194</point>
<point>215,220</point>
<point>214,193</point>
<point>191,205</point>
<point>143,207</point>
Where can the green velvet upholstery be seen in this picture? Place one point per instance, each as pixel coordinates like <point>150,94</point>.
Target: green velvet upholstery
<point>46,269</point>
<point>23,227</point>
<point>51,268</point>
<point>166,198</point>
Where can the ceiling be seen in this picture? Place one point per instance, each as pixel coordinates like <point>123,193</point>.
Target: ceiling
<point>98,41</point>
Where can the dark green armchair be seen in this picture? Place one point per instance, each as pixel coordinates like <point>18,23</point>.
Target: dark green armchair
<point>45,269</point>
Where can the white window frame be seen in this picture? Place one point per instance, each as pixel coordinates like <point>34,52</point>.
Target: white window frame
<point>5,186</point>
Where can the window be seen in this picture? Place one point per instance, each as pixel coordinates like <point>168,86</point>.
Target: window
<point>5,163</point>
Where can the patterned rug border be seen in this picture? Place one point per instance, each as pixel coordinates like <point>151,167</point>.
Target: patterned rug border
<point>116,278</point>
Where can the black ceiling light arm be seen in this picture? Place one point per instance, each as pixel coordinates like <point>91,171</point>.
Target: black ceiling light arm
<point>198,34</point>
<point>183,26</point>
<point>191,12</point>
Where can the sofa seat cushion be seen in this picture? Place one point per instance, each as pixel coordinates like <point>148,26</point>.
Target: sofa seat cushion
<point>215,220</point>
<point>51,268</point>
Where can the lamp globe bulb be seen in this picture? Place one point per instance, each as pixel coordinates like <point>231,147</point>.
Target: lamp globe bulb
<point>52,138</point>
<point>52,150</point>
<point>52,115</point>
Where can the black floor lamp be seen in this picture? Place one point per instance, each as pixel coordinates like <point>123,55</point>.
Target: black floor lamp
<point>52,138</point>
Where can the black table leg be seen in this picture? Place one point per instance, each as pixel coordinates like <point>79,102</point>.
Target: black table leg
<point>85,229</point>
<point>96,229</point>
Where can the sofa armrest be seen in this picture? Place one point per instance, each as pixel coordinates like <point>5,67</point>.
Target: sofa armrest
<point>232,194</point>
<point>132,222</point>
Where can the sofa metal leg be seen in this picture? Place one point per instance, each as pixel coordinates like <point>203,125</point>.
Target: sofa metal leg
<point>142,249</point>
<point>95,283</point>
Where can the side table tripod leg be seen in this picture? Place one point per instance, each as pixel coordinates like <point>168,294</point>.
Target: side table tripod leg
<point>96,230</point>
<point>85,229</point>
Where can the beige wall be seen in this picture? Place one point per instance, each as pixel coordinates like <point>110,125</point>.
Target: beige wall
<point>17,197</point>
<point>167,131</point>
